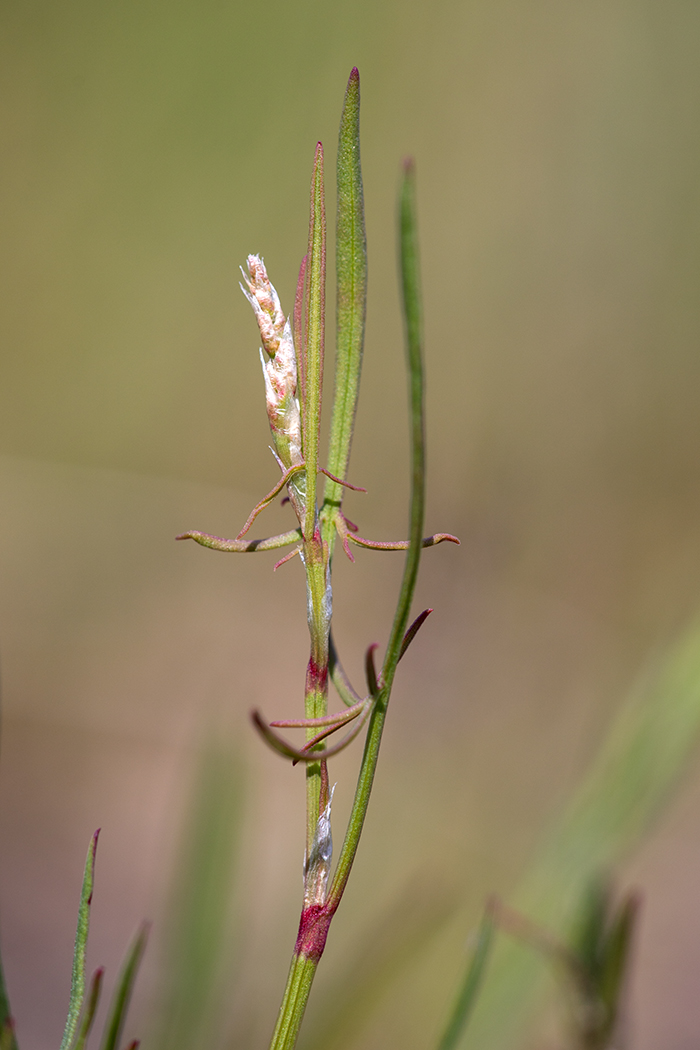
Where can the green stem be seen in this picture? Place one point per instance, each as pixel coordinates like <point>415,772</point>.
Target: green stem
<point>296,995</point>
<point>315,921</point>
<point>413,329</point>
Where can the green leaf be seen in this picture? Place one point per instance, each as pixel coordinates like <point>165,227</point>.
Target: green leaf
<point>410,282</point>
<point>351,298</point>
<point>315,325</point>
<point>616,958</point>
<point>122,993</point>
<point>471,984</point>
<point>413,327</point>
<point>77,989</point>
<point>588,939</point>
<point>91,1007</point>
<point>640,760</point>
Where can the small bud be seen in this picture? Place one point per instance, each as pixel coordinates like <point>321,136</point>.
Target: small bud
<point>279,363</point>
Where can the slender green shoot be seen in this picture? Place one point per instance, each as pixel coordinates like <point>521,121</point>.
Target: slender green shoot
<point>316,919</point>
<point>77,990</point>
<point>410,281</point>
<point>471,984</point>
<point>351,301</point>
<point>315,323</point>
<point>125,986</point>
<point>646,749</point>
<point>90,1009</point>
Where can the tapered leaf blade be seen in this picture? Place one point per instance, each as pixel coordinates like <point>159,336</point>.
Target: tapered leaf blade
<point>125,986</point>
<point>351,298</point>
<point>77,990</point>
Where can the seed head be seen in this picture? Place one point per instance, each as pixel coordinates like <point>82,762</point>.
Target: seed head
<point>279,362</point>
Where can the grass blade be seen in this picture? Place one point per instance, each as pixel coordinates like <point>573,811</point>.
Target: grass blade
<point>90,1009</point>
<point>315,324</point>
<point>413,325</point>
<point>410,280</point>
<point>351,299</point>
<point>77,988</point>
<point>466,999</point>
<point>125,986</point>
<point>639,762</point>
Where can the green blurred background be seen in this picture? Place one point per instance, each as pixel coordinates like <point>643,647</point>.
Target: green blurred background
<point>148,147</point>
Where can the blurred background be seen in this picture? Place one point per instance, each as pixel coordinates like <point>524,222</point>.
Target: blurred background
<point>148,148</point>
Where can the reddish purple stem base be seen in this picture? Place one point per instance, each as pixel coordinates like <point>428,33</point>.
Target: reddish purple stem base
<point>313,930</point>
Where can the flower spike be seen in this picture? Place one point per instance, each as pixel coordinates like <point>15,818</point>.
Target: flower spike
<point>279,362</point>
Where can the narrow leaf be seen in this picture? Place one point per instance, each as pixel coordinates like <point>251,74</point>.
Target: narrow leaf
<point>77,988</point>
<point>315,323</point>
<point>347,693</point>
<point>399,545</point>
<point>413,631</point>
<point>371,671</point>
<point>646,749</point>
<point>617,953</point>
<point>219,543</point>
<point>351,300</point>
<point>413,324</point>
<point>125,986</point>
<point>298,329</point>
<point>412,317</point>
<point>90,1008</point>
<point>471,984</point>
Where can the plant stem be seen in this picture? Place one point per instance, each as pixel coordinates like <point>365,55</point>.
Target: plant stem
<point>296,994</point>
<point>413,329</point>
<point>316,918</point>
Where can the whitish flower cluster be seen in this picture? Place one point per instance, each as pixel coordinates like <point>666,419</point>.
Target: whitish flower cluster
<point>278,362</point>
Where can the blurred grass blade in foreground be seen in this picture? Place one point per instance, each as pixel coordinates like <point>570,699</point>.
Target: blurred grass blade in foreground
<point>471,985</point>
<point>198,921</point>
<point>639,762</point>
